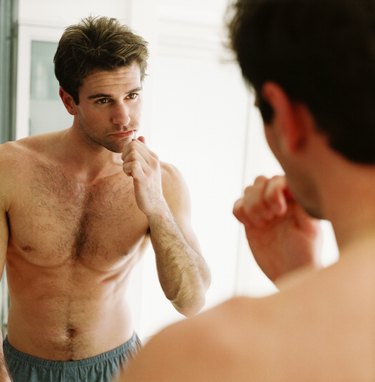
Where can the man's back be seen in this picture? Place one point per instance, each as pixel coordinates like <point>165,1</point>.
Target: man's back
<point>320,329</point>
<point>72,244</point>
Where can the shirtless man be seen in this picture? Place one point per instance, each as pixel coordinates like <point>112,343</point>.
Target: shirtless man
<point>78,207</point>
<point>312,66</point>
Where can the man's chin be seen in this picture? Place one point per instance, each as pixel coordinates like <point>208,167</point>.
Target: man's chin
<point>313,212</point>
<point>118,148</point>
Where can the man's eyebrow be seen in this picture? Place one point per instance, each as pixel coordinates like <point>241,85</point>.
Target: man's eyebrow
<point>137,89</point>
<point>104,95</point>
<point>99,95</point>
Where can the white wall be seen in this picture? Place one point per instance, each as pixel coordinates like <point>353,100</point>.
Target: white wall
<point>57,13</point>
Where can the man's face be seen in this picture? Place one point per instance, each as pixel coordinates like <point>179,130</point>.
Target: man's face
<point>109,107</point>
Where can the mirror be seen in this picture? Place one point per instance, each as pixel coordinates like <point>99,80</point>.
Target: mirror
<point>198,115</point>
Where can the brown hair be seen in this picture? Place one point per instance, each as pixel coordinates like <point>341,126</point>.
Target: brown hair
<point>96,43</point>
<point>322,54</point>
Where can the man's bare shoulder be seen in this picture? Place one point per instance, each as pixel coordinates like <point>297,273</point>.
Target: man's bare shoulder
<point>316,330</point>
<point>14,157</point>
<point>170,173</point>
<point>18,158</point>
<point>200,349</point>
<point>174,185</point>
<point>19,150</point>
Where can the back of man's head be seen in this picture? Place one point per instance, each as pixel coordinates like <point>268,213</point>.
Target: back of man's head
<point>96,43</point>
<point>322,53</point>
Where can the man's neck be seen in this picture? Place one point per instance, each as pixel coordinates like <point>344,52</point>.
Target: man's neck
<point>87,162</point>
<point>350,204</point>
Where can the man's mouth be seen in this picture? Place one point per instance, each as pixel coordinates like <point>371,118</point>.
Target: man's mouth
<point>124,134</point>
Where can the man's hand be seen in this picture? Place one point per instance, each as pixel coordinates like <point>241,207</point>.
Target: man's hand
<point>281,235</point>
<point>144,166</point>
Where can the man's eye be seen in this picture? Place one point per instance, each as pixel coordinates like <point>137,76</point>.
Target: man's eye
<point>102,101</point>
<point>132,95</point>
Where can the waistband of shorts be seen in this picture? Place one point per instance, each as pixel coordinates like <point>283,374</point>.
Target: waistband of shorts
<point>114,353</point>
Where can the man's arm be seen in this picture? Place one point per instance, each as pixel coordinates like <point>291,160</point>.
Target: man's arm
<point>183,273</point>
<point>281,235</point>
<point>163,196</point>
<point>4,375</point>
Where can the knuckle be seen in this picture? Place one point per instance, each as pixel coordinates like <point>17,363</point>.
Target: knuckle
<point>260,179</point>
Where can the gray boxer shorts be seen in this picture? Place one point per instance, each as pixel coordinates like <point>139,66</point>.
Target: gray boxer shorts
<point>101,368</point>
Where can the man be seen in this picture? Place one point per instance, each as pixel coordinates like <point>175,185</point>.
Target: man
<point>78,208</point>
<point>312,66</point>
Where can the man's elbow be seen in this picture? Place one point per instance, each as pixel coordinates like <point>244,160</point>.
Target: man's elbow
<point>190,308</point>
<point>191,304</point>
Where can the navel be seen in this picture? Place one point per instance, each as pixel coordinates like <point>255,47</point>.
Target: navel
<point>71,332</point>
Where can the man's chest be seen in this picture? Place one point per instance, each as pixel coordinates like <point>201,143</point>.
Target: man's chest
<point>54,218</point>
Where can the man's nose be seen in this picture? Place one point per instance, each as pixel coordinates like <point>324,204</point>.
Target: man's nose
<point>121,115</point>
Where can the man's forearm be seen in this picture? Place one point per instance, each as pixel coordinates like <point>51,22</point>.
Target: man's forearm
<point>4,375</point>
<point>183,273</point>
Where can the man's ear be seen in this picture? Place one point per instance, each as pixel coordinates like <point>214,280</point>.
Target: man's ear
<point>291,119</point>
<point>68,101</point>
